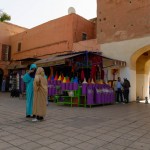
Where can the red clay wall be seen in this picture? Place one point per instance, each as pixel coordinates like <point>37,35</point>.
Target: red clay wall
<point>6,31</point>
<point>81,25</point>
<point>52,37</point>
<point>122,19</point>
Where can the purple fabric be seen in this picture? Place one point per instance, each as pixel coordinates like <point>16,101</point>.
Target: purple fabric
<point>52,81</point>
<point>90,85</point>
<point>98,96</point>
<point>75,86</point>
<point>63,86</point>
<point>90,96</point>
<point>70,86</point>
<point>49,91</point>
<point>100,85</point>
<point>55,82</point>
<point>49,82</point>
<point>67,86</point>
<point>84,88</point>
<point>58,82</point>
<point>54,91</point>
<point>96,85</point>
<point>103,98</point>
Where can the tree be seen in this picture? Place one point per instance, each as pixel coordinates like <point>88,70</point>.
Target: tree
<point>4,16</point>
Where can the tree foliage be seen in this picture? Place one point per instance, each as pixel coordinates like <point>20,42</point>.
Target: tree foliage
<point>4,17</point>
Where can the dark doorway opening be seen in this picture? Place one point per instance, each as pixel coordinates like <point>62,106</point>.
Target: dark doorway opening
<point>1,78</point>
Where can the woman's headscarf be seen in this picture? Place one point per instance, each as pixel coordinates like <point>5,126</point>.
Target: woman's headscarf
<point>40,71</point>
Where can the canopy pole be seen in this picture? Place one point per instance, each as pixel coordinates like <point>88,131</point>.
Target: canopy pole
<point>86,53</point>
<point>87,59</point>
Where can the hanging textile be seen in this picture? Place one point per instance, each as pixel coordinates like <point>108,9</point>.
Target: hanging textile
<point>102,74</point>
<point>93,73</point>
<point>82,75</point>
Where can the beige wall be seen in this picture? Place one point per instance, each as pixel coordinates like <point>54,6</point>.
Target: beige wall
<point>119,20</point>
<point>142,77</point>
<point>147,71</point>
<point>129,51</point>
<point>141,62</point>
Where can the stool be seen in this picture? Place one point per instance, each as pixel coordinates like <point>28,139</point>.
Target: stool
<point>56,98</point>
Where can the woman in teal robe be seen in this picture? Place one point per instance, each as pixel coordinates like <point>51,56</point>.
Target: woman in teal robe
<point>28,78</point>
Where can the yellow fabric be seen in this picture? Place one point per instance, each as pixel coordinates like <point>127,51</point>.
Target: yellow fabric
<point>64,81</point>
<point>40,93</point>
<point>59,78</point>
<point>101,82</point>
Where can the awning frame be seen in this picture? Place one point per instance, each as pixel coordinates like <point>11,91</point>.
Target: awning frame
<point>61,59</point>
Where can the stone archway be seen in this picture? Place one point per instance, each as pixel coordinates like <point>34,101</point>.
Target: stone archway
<point>129,51</point>
<point>140,62</point>
<point>147,70</point>
<point>1,77</point>
<point>137,54</point>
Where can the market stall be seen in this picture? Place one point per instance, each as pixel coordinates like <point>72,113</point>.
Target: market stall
<point>16,83</point>
<point>16,71</point>
<point>77,79</point>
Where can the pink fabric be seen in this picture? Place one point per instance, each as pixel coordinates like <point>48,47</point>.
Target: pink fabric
<point>82,75</point>
<point>93,72</point>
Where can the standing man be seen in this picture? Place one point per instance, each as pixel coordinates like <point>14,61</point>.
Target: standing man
<point>3,85</point>
<point>119,90</point>
<point>126,86</point>
<point>28,78</point>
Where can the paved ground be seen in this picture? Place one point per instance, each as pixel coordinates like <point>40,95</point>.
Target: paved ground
<point>113,127</point>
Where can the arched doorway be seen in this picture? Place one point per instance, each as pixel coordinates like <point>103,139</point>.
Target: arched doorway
<point>1,77</point>
<point>140,62</point>
<point>147,69</point>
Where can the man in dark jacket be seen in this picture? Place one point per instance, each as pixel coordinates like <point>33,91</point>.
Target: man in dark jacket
<point>126,86</point>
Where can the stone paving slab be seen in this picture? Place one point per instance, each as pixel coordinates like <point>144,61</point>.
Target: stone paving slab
<point>111,127</point>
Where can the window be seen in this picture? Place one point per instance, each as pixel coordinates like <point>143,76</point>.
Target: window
<point>19,47</point>
<point>84,36</point>
<point>6,52</point>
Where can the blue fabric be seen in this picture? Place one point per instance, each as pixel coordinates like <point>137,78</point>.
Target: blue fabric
<point>29,91</point>
<point>3,85</point>
<point>52,78</point>
<point>119,86</point>
<point>45,77</point>
<point>75,80</point>
<point>33,66</point>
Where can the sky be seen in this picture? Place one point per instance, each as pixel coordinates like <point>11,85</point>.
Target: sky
<point>31,13</point>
